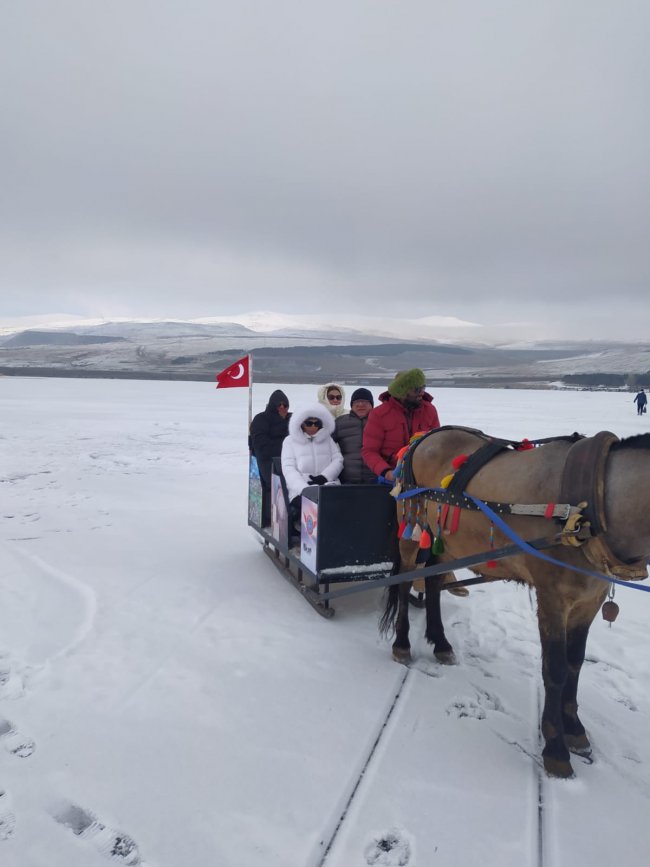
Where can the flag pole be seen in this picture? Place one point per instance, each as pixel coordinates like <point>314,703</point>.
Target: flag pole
<point>250,389</point>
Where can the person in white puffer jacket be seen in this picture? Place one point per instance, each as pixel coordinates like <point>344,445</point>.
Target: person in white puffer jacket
<point>309,454</point>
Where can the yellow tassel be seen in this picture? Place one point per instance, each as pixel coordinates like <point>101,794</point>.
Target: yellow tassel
<point>396,489</point>
<point>446,481</point>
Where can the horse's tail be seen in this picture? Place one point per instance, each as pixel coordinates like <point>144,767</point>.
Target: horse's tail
<point>387,622</point>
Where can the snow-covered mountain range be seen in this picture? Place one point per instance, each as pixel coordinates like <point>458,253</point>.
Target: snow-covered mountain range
<point>288,348</point>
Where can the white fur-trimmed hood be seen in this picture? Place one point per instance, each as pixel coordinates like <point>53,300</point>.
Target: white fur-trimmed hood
<point>314,411</point>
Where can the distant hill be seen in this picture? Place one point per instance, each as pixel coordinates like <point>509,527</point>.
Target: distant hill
<point>56,338</point>
<point>197,351</point>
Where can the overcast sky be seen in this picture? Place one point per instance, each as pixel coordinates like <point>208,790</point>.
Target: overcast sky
<point>482,160</point>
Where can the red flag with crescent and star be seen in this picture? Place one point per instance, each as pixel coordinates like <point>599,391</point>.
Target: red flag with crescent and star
<point>235,376</point>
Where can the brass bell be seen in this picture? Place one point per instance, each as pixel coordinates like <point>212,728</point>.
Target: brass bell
<point>610,611</point>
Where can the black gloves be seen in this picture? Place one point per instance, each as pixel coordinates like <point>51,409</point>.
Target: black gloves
<point>317,480</point>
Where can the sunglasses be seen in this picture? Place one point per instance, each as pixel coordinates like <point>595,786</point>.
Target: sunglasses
<point>285,405</point>
<point>312,422</point>
<point>334,397</point>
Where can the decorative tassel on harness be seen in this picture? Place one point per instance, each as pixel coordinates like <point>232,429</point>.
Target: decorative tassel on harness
<point>425,546</point>
<point>491,564</point>
<point>438,545</point>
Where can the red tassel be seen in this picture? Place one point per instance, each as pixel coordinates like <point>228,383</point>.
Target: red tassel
<point>402,527</point>
<point>491,564</point>
<point>524,445</point>
<point>425,539</point>
<point>459,460</point>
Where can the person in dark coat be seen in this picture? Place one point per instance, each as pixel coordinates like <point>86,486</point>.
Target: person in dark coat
<point>267,432</point>
<point>349,435</point>
<point>641,400</point>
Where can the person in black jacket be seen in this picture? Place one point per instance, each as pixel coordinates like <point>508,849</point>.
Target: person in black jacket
<point>268,430</point>
<point>640,400</point>
<point>348,434</point>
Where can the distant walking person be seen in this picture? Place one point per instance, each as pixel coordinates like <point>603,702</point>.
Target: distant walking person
<point>641,401</point>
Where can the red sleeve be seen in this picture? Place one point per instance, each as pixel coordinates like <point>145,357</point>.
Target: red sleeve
<point>373,438</point>
<point>426,419</point>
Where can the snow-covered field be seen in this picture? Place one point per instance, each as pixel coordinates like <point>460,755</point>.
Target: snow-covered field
<point>166,699</point>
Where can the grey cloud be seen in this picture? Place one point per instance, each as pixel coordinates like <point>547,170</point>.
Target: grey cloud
<point>215,157</point>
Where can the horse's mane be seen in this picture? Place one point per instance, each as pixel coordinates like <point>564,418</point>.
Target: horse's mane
<point>639,441</point>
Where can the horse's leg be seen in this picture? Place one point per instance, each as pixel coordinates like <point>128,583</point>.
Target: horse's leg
<point>552,632</point>
<point>580,620</point>
<point>575,736</point>
<point>401,645</point>
<point>435,632</point>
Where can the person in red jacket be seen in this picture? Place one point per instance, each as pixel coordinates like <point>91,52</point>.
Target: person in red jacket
<point>405,408</point>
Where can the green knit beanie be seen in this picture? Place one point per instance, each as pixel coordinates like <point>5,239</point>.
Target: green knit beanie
<point>405,381</point>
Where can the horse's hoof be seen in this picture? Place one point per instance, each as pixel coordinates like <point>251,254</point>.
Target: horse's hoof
<point>457,591</point>
<point>402,655</point>
<point>446,657</point>
<point>578,744</point>
<point>558,768</point>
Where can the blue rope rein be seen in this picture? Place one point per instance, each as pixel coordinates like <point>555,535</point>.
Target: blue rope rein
<point>510,533</point>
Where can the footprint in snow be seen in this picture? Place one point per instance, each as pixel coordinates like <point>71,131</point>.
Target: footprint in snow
<point>391,849</point>
<point>12,680</point>
<point>476,706</point>
<point>463,706</point>
<point>7,818</point>
<point>14,742</point>
<point>113,844</point>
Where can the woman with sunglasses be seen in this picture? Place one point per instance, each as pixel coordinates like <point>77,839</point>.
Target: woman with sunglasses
<point>309,454</point>
<point>332,396</point>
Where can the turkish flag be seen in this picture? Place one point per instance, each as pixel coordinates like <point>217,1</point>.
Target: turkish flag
<point>235,376</point>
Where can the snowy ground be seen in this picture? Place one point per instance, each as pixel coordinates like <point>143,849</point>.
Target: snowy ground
<point>166,699</point>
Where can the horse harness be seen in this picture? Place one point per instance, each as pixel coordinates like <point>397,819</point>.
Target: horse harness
<point>582,483</point>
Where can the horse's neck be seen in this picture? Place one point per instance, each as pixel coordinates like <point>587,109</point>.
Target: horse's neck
<point>627,503</point>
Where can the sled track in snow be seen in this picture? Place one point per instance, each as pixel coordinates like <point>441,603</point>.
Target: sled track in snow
<point>366,764</point>
<point>540,788</point>
<point>539,817</point>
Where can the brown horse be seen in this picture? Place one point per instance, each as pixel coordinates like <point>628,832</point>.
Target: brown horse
<point>615,541</point>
